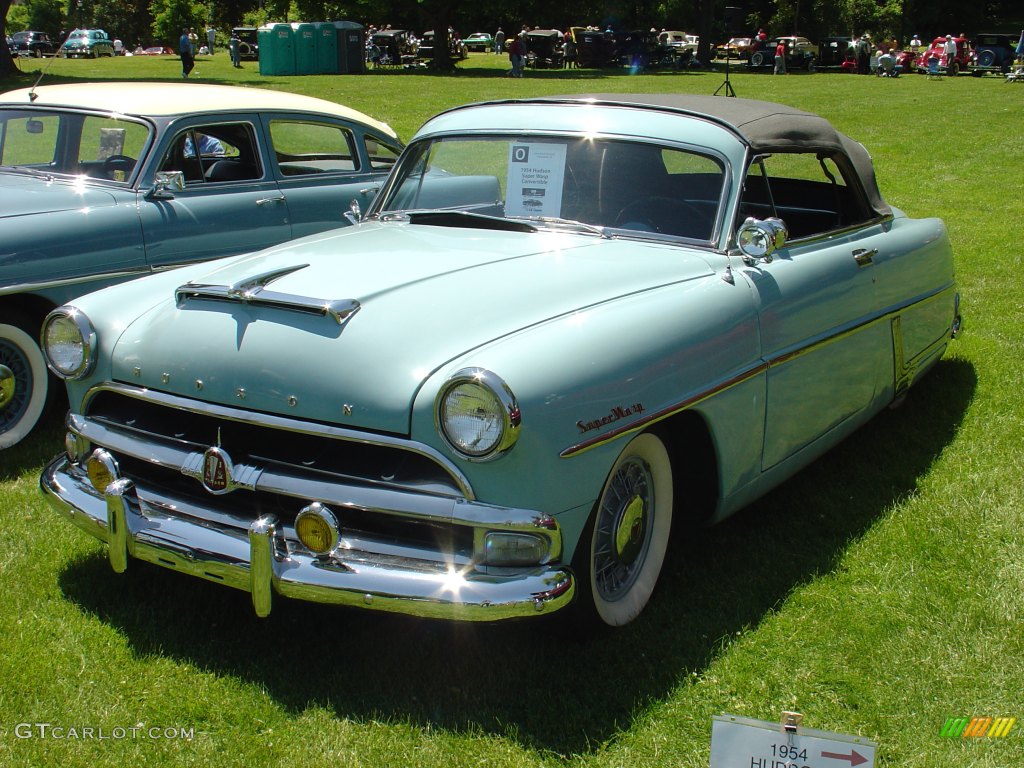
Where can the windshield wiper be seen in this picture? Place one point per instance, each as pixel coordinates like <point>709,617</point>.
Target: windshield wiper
<point>28,171</point>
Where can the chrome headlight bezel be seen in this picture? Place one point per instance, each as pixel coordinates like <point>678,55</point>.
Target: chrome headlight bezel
<point>501,410</point>
<point>83,336</point>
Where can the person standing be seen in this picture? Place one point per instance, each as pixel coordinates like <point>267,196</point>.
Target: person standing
<point>499,41</point>
<point>864,55</point>
<point>517,55</point>
<point>780,58</point>
<point>211,38</point>
<point>949,49</point>
<point>233,48</point>
<point>188,61</point>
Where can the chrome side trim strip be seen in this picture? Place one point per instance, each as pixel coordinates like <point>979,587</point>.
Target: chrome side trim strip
<point>125,274</point>
<point>888,316</point>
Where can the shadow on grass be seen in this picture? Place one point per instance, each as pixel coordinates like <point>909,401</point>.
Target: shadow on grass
<point>539,682</point>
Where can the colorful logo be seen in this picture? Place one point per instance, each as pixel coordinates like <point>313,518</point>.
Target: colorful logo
<point>977,727</point>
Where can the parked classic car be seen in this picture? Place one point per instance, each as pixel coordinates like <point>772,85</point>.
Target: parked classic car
<point>98,183</point>
<point>801,53</point>
<point>480,42</point>
<point>736,48</point>
<point>248,42</point>
<point>90,43</point>
<point>425,50</point>
<point>29,43</point>
<point>950,65</point>
<point>476,407</point>
<point>544,49</point>
<point>992,53</point>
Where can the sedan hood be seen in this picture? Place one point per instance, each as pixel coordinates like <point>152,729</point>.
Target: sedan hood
<point>422,296</point>
<point>25,194</point>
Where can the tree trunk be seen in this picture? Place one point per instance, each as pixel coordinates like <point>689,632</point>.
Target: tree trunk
<point>7,66</point>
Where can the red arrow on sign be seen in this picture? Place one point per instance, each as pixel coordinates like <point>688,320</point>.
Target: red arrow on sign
<point>854,757</point>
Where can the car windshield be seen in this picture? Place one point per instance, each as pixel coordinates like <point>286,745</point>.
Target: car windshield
<point>625,186</point>
<point>71,143</point>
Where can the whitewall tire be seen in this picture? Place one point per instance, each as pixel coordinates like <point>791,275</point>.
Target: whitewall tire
<point>24,384</point>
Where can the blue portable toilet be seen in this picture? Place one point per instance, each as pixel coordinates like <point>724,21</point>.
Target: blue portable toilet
<point>326,48</point>
<point>277,49</point>
<point>304,39</point>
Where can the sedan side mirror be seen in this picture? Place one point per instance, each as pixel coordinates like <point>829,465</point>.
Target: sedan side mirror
<point>166,184</point>
<point>759,239</point>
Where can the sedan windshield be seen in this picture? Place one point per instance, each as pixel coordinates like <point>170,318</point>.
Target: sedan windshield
<point>621,185</point>
<point>56,142</point>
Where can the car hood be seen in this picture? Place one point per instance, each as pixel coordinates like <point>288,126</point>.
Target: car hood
<point>25,195</point>
<point>426,296</point>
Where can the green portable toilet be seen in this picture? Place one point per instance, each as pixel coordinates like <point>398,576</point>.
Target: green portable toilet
<point>326,48</point>
<point>304,37</point>
<point>277,49</point>
<point>351,47</point>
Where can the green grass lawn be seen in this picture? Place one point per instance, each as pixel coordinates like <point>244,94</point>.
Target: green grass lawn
<point>879,592</point>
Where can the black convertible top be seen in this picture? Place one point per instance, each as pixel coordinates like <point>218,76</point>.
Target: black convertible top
<point>765,126</point>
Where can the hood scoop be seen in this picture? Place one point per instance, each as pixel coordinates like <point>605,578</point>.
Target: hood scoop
<point>253,291</point>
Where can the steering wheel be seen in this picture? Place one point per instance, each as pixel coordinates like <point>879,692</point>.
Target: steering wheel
<point>116,163</point>
<point>665,215</point>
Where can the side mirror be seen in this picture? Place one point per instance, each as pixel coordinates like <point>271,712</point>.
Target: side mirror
<point>34,126</point>
<point>759,239</point>
<point>166,184</point>
<point>354,212</point>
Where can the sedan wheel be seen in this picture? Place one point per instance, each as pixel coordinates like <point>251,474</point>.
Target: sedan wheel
<point>23,384</point>
<point>629,531</point>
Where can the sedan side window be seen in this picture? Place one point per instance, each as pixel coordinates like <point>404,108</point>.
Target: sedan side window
<point>810,192</point>
<point>382,156</point>
<point>308,148</point>
<point>226,152</point>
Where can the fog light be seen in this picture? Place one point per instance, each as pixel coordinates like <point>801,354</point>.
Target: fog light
<point>317,528</point>
<point>514,549</point>
<point>102,469</point>
<point>75,446</point>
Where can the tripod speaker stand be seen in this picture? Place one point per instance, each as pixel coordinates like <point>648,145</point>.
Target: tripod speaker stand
<point>726,84</point>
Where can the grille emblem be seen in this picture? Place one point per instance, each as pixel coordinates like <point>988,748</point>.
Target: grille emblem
<point>217,471</point>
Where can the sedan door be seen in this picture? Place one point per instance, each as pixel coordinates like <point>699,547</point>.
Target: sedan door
<point>230,202</point>
<point>322,166</point>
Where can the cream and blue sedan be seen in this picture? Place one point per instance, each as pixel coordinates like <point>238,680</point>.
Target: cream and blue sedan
<point>565,328</point>
<point>107,181</point>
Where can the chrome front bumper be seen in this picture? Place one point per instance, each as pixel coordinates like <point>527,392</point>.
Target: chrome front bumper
<point>259,561</point>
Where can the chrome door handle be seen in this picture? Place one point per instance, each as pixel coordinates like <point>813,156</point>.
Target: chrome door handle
<point>277,199</point>
<point>864,257</point>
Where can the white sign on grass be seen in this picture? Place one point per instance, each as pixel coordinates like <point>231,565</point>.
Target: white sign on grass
<point>740,742</point>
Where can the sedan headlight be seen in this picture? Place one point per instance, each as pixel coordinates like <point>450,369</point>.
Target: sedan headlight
<point>69,343</point>
<point>477,414</point>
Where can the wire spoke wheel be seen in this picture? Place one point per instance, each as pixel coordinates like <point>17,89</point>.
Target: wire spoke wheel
<point>23,384</point>
<point>631,525</point>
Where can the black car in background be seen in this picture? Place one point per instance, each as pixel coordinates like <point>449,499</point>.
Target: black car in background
<point>248,42</point>
<point>29,43</point>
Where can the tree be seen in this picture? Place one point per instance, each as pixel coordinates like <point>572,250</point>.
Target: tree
<point>6,60</point>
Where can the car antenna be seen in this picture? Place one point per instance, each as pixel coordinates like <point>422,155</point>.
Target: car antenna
<point>32,95</point>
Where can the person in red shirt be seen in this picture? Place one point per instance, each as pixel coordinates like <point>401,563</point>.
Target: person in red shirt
<point>780,58</point>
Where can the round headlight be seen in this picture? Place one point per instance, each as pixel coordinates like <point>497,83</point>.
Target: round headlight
<point>68,340</point>
<point>478,415</point>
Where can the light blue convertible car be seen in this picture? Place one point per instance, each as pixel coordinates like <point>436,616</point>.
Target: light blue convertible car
<point>101,182</point>
<point>565,328</point>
